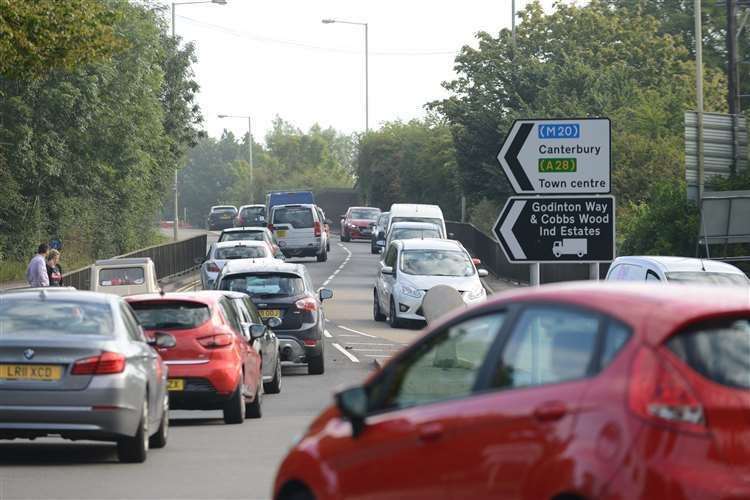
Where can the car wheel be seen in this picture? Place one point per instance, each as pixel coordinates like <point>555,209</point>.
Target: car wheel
<point>316,366</point>
<point>376,313</point>
<point>323,256</point>
<point>159,440</point>
<point>255,409</point>
<point>393,318</point>
<point>328,245</point>
<point>234,409</point>
<point>374,250</point>
<point>274,386</point>
<point>133,450</point>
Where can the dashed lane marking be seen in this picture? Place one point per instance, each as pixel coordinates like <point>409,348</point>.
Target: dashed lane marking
<point>327,334</point>
<point>346,353</point>
<point>355,331</point>
<point>341,267</point>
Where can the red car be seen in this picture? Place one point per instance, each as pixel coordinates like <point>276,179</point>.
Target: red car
<point>357,223</point>
<point>563,392</point>
<point>213,365</point>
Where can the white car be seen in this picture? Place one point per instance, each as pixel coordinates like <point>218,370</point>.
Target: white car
<point>412,230</point>
<point>683,270</point>
<point>255,233</point>
<point>416,212</point>
<point>220,253</point>
<point>300,231</point>
<point>411,267</point>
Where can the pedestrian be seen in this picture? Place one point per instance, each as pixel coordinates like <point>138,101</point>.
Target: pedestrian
<point>36,273</point>
<point>54,271</point>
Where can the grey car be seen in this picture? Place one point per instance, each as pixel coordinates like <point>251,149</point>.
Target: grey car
<point>78,365</point>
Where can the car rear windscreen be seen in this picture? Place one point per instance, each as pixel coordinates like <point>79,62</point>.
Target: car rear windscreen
<point>708,278</point>
<point>265,285</point>
<point>165,315</point>
<point>121,276</point>
<point>253,213</point>
<point>720,351</point>
<point>224,210</point>
<point>31,315</point>
<point>240,252</point>
<point>242,236</point>
<point>297,217</point>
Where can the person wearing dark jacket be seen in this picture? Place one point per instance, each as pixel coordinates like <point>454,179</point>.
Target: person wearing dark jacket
<point>54,271</point>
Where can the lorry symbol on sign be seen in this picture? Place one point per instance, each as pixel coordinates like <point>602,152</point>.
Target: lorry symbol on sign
<point>570,246</point>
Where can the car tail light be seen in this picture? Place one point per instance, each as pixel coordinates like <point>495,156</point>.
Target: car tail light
<point>310,342</point>
<point>317,229</point>
<point>214,341</point>
<point>307,304</point>
<point>211,267</point>
<point>106,363</point>
<point>660,394</point>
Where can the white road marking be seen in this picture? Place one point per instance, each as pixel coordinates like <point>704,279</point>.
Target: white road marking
<point>327,334</point>
<point>377,356</point>
<point>346,353</point>
<point>347,335</point>
<point>341,267</point>
<point>355,331</point>
<point>369,343</point>
<point>370,350</point>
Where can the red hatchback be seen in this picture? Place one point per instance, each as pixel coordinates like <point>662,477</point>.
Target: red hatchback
<point>564,392</point>
<point>357,223</point>
<point>213,365</point>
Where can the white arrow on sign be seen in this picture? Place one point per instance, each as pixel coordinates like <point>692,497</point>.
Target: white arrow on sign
<point>506,230</point>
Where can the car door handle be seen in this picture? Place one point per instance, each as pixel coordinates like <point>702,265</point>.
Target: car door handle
<point>430,432</point>
<point>550,411</point>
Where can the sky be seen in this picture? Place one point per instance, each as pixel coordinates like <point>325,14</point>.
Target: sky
<point>269,58</point>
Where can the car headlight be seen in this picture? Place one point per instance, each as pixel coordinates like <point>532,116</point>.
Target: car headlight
<point>410,291</point>
<point>476,293</point>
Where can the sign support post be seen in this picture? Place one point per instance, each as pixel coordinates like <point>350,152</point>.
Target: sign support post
<point>535,274</point>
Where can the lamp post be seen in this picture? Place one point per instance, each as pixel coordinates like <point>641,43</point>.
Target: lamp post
<point>367,68</point>
<point>176,219</point>
<point>249,149</point>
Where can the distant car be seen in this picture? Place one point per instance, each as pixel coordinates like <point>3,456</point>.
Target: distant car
<point>214,365</point>
<point>412,230</point>
<point>220,253</point>
<point>284,291</point>
<point>299,231</point>
<point>252,234</point>
<point>250,215</point>
<point>412,267</point>
<point>357,223</point>
<point>126,276</point>
<point>378,231</point>
<point>676,270</point>
<point>267,345</point>
<point>578,391</point>
<point>221,217</point>
<point>77,364</point>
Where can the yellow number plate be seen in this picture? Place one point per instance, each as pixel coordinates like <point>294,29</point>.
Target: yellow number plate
<point>30,372</point>
<point>269,313</point>
<point>281,233</point>
<point>175,384</point>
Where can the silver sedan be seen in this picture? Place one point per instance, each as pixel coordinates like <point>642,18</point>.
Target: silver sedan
<point>77,365</point>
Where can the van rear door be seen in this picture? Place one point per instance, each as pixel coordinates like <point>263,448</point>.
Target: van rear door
<point>294,226</point>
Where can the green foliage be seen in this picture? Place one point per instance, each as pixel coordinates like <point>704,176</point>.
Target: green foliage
<point>483,215</point>
<point>410,162</point>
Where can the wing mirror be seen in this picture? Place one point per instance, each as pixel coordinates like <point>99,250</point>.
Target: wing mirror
<point>162,340</point>
<point>325,294</point>
<point>273,322</point>
<point>380,243</point>
<point>483,273</point>
<point>257,331</point>
<point>387,270</point>
<point>352,403</point>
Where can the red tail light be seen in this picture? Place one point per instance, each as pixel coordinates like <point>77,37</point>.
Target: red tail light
<point>213,341</point>
<point>211,267</point>
<point>311,342</point>
<point>317,229</point>
<point>270,227</point>
<point>106,363</point>
<point>660,394</point>
<point>307,304</point>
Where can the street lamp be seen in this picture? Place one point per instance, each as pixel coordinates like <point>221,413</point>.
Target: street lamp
<point>176,197</point>
<point>367,77</point>
<point>249,149</point>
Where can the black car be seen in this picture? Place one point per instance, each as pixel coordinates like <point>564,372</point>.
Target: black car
<point>221,217</point>
<point>284,291</point>
<point>379,231</point>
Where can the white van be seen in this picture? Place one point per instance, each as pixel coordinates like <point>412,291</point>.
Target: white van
<point>414,212</point>
<point>124,276</point>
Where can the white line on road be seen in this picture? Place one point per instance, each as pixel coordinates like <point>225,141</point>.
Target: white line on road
<point>369,343</point>
<point>341,267</point>
<point>346,353</point>
<point>377,356</point>
<point>370,350</point>
<point>327,334</point>
<point>355,331</point>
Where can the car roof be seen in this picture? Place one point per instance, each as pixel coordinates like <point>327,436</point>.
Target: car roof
<point>66,293</point>
<point>129,261</point>
<point>244,229</point>
<point>252,206</point>
<point>673,264</point>
<point>364,208</point>
<point>207,297</point>
<point>240,243</point>
<point>295,205</point>
<point>430,244</point>
<point>657,310</point>
<point>223,206</point>
<point>414,225</point>
<point>415,208</point>
<point>261,265</point>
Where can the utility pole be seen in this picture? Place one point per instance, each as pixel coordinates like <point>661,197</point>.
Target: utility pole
<point>513,22</point>
<point>699,94</point>
<point>733,98</point>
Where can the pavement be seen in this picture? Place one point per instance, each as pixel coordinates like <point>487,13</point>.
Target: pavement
<point>206,458</point>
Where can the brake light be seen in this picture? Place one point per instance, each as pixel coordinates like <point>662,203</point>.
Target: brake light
<point>106,363</point>
<point>310,342</point>
<point>211,267</point>
<point>660,394</point>
<point>317,229</point>
<point>214,341</point>
<point>307,304</point>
